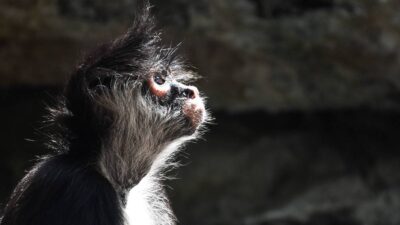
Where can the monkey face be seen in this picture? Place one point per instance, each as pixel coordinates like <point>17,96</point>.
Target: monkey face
<point>182,99</point>
<point>134,82</point>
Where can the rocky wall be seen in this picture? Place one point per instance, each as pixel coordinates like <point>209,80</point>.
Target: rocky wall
<point>253,54</point>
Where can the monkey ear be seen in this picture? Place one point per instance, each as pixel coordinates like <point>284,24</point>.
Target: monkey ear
<point>127,53</point>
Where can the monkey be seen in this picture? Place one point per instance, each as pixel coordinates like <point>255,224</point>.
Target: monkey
<point>124,114</point>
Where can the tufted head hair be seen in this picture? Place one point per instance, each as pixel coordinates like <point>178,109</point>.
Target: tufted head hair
<point>127,101</point>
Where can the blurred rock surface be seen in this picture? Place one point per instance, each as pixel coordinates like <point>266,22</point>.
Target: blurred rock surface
<point>254,54</point>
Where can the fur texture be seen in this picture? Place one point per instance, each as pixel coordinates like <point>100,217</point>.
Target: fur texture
<point>125,113</point>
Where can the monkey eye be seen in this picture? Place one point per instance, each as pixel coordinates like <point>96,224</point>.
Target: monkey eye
<point>160,78</point>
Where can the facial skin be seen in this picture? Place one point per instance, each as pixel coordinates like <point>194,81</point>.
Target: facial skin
<point>166,89</point>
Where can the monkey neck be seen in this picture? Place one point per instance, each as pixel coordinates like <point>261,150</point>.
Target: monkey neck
<point>129,155</point>
<point>125,162</point>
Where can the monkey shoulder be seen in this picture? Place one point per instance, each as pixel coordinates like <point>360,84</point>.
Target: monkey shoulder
<point>60,190</point>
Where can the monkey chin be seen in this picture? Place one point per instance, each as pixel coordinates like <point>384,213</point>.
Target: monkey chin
<point>195,111</point>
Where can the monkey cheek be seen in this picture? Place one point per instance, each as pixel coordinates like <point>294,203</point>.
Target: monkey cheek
<point>194,110</point>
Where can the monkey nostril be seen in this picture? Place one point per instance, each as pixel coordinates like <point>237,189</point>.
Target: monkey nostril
<point>188,93</point>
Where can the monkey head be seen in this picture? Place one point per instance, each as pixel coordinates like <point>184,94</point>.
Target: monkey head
<point>132,87</point>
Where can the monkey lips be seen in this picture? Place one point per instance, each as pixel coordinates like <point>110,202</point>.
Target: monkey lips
<point>194,110</point>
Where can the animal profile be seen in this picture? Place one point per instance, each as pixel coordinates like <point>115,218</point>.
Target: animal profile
<point>125,112</point>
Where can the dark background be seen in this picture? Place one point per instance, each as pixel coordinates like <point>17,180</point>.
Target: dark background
<point>306,96</point>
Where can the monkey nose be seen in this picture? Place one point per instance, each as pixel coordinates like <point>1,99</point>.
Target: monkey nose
<point>190,92</point>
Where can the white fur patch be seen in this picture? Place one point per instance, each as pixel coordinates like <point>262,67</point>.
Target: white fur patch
<point>147,203</point>
<point>138,208</point>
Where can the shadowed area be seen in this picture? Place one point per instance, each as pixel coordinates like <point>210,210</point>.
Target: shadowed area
<point>254,167</point>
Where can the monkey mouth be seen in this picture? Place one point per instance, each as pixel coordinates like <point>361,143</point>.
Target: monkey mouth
<point>194,110</point>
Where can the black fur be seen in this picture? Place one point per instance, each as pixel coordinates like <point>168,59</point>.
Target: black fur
<point>61,190</point>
